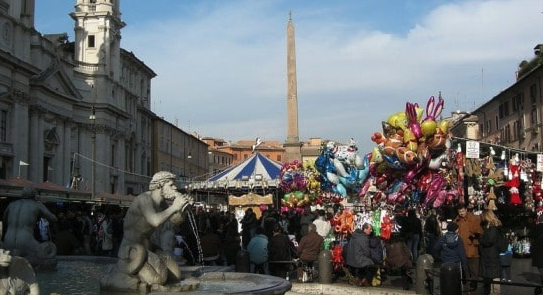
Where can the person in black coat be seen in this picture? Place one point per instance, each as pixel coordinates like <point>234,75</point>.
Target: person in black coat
<point>279,252</point>
<point>536,250</point>
<point>413,233</point>
<point>432,232</point>
<point>490,264</point>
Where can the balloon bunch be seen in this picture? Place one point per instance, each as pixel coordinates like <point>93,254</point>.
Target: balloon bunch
<point>293,183</point>
<point>341,168</point>
<point>411,153</point>
<point>300,183</point>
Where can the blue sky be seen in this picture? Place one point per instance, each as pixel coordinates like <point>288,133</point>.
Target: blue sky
<point>221,65</point>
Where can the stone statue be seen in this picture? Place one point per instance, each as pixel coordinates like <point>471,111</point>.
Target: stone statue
<point>16,276</point>
<point>139,267</point>
<point>20,220</point>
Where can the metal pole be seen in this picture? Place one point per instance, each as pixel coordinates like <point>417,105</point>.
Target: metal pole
<point>92,117</point>
<point>93,160</point>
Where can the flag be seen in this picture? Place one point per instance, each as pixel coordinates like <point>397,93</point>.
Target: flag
<point>21,163</point>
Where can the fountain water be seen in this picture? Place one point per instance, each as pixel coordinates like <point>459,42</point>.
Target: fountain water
<point>81,275</point>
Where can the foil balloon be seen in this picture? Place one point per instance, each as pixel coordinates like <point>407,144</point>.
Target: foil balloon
<point>410,140</point>
<point>407,156</point>
<point>433,110</point>
<point>437,162</point>
<point>376,156</point>
<point>436,186</point>
<point>398,120</point>
<point>413,114</point>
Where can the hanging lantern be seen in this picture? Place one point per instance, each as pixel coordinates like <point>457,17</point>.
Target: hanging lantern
<point>523,175</point>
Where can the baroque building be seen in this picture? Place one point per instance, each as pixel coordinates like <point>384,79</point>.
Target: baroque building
<point>513,117</point>
<point>75,113</point>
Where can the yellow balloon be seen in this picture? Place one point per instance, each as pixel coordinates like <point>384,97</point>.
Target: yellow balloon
<point>376,156</point>
<point>395,118</point>
<point>443,125</point>
<point>410,140</point>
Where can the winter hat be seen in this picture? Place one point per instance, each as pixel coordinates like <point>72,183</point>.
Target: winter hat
<point>452,227</point>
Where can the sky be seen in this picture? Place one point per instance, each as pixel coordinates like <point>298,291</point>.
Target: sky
<point>221,65</point>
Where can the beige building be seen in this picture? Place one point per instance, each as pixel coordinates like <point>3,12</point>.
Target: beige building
<point>512,118</point>
<point>234,153</point>
<point>179,152</point>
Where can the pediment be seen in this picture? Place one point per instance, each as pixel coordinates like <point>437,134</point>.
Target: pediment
<point>51,139</point>
<point>57,80</point>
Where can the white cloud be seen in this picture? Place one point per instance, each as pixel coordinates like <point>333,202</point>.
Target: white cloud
<point>224,69</point>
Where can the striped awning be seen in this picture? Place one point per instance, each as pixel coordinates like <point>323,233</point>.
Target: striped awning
<point>257,164</point>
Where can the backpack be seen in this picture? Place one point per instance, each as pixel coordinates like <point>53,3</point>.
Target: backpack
<point>502,242</point>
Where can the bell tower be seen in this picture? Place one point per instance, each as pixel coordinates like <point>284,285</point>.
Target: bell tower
<point>292,145</point>
<point>97,29</point>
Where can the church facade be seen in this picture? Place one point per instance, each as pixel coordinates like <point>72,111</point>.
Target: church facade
<point>75,113</point>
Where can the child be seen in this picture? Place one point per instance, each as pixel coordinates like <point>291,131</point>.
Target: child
<point>505,259</point>
<point>451,247</point>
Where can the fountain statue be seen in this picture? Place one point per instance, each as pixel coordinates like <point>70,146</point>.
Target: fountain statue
<point>20,219</point>
<point>16,275</point>
<point>140,267</point>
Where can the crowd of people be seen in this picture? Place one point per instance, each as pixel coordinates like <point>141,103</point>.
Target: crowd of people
<point>275,238</point>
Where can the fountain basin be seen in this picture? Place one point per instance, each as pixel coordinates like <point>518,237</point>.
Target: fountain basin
<point>81,275</point>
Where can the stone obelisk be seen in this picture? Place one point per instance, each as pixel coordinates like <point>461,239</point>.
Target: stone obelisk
<point>292,145</point>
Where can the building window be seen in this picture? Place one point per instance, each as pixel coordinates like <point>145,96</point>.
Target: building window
<point>533,94</point>
<point>518,102</point>
<point>533,117</point>
<point>504,110</point>
<point>278,158</point>
<point>112,163</point>
<point>516,130</point>
<point>498,124</point>
<point>90,41</point>
<point>3,125</point>
<point>507,135</point>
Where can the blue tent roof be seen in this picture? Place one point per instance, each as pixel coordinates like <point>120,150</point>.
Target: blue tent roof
<point>256,164</point>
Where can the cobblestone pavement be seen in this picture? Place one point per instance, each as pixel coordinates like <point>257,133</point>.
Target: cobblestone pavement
<point>521,272</point>
<point>83,279</point>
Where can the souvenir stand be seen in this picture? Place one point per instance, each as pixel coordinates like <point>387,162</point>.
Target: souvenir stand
<point>416,163</point>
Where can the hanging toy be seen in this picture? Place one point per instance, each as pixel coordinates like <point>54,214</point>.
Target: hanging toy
<point>376,222</point>
<point>513,183</point>
<point>386,227</point>
<point>492,199</point>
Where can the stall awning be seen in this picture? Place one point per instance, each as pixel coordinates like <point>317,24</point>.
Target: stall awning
<point>114,199</point>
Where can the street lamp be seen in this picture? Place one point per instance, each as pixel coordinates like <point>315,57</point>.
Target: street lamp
<point>92,117</point>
